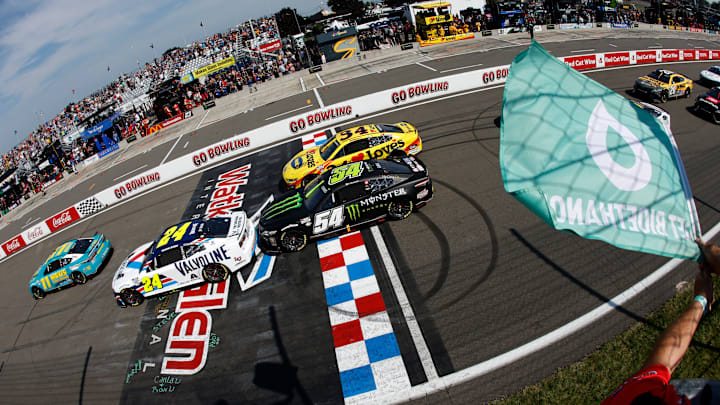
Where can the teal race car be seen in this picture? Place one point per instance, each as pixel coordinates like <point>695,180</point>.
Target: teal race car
<point>71,263</point>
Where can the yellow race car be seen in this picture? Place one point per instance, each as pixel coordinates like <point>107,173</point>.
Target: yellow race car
<point>662,84</point>
<point>372,141</point>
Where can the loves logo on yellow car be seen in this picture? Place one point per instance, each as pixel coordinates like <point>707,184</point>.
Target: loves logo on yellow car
<point>372,141</point>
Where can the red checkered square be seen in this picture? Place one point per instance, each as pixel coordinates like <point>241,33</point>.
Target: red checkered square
<point>352,240</point>
<point>346,333</point>
<point>370,304</point>
<point>332,261</point>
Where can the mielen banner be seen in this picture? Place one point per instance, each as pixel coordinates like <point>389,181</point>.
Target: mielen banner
<point>587,160</point>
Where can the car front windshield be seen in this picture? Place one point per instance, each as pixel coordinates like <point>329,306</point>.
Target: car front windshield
<point>314,192</point>
<point>661,76</point>
<point>215,227</point>
<point>329,148</point>
<point>81,246</point>
<point>390,128</point>
<point>714,92</point>
<point>715,70</point>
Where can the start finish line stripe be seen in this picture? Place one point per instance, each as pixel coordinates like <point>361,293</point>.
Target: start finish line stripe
<point>366,350</point>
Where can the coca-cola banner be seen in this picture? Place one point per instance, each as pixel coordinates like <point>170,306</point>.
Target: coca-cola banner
<point>62,218</point>
<point>13,244</point>
<point>36,232</point>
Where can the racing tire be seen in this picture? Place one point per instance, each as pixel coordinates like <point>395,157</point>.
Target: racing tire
<point>131,297</point>
<point>400,209</point>
<point>716,117</point>
<point>78,277</point>
<point>398,154</point>
<point>696,107</point>
<point>293,240</point>
<point>215,273</point>
<point>38,293</point>
<point>664,97</point>
<point>687,93</point>
<point>307,180</point>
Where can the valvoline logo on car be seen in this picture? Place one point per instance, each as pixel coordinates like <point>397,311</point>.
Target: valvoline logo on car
<point>712,100</point>
<point>297,162</point>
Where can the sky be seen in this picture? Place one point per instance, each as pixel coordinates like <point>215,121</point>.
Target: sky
<point>48,48</point>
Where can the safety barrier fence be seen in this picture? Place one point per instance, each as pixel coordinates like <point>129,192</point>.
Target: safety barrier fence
<point>316,121</point>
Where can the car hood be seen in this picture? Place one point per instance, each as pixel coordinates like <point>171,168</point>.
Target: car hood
<point>303,163</point>
<point>649,82</point>
<point>706,74</point>
<point>288,209</point>
<point>130,267</point>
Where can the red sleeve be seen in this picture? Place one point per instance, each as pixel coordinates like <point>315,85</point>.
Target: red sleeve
<point>653,379</point>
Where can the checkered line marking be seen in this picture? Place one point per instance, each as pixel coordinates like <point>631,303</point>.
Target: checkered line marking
<point>367,352</point>
<point>310,141</point>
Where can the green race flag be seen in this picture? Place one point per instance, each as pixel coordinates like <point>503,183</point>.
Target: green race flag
<point>587,160</point>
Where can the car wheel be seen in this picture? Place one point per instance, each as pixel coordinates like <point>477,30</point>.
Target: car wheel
<point>716,117</point>
<point>78,277</point>
<point>400,209</point>
<point>308,179</point>
<point>696,107</point>
<point>215,273</point>
<point>38,293</point>
<point>293,240</point>
<point>664,97</point>
<point>398,154</point>
<point>131,297</point>
<point>688,91</point>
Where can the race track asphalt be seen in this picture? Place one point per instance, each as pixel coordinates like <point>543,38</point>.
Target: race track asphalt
<point>482,273</point>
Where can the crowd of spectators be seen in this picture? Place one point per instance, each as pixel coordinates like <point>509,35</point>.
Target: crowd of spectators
<point>249,70</point>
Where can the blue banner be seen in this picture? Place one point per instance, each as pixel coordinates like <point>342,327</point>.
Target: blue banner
<point>110,149</point>
<point>99,128</point>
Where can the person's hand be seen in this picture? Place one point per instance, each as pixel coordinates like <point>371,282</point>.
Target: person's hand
<point>711,253</point>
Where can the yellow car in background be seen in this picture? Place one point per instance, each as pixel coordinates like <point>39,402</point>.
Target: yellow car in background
<point>372,141</point>
<point>663,84</point>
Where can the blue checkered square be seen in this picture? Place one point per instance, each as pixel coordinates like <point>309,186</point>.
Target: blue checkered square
<point>360,270</point>
<point>382,347</point>
<point>339,293</point>
<point>357,381</point>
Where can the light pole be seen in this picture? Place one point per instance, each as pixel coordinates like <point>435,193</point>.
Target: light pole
<point>300,32</point>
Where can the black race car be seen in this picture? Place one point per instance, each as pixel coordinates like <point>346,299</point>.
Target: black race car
<point>343,198</point>
<point>709,103</point>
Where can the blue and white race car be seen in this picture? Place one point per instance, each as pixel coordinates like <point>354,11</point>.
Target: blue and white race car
<point>711,76</point>
<point>189,253</point>
<point>71,263</point>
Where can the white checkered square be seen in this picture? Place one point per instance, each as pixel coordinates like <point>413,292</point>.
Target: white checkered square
<point>328,248</point>
<point>376,325</point>
<point>343,312</point>
<point>355,255</point>
<point>390,375</point>
<point>364,287</point>
<point>352,356</point>
<point>336,276</point>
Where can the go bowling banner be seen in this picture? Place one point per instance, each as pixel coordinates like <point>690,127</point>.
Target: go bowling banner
<point>589,161</point>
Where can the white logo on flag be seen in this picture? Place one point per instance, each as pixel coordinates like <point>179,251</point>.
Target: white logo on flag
<point>628,179</point>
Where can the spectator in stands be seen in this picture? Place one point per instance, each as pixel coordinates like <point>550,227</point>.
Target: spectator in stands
<point>651,385</point>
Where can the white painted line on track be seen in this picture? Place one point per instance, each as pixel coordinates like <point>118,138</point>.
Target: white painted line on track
<point>582,50</point>
<point>317,95</point>
<point>291,111</point>
<point>130,172</point>
<point>28,221</point>
<point>203,119</point>
<point>613,45</point>
<point>461,68</point>
<point>425,66</point>
<point>302,85</point>
<point>655,47</point>
<point>410,319</point>
<point>480,369</point>
<point>186,144</point>
<point>319,79</point>
<point>171,149</point>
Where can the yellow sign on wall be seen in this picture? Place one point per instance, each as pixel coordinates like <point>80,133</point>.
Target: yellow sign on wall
<point>214,67</point>
<point>448,38</point>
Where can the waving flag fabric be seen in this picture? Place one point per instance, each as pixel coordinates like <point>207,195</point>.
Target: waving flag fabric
<point>587,160</point>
